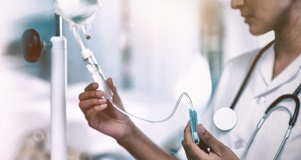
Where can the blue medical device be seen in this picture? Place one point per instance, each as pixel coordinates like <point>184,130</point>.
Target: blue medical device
<point>194,126</point>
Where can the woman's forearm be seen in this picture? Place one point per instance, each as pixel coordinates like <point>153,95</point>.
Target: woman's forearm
<point>141,147</point>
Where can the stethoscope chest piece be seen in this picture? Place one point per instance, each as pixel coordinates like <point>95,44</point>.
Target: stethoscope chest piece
<point>225,119</point>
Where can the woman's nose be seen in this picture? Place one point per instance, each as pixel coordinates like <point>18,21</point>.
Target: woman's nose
<point>236,4</point>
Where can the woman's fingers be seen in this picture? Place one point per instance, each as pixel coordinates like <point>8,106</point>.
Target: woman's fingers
<point>87,104</point>
<point>217,149</point>
<point>112,87</point>
<point>117,99</point>
<point>91,115</point>
<point>92,86</point>
<point>188,154</point>
<point>210,141</point>
<point>90,94</point>
<point>191,149</point>
<point>94,110</point>
<point>91,97</point>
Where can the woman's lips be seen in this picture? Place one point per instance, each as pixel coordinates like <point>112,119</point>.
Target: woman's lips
<point>247,17</point>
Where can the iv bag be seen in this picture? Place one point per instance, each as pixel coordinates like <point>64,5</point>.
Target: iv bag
<point>77,13</point>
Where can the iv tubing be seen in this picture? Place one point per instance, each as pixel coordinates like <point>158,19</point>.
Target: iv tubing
<point>110,98</point>
<point>157,121</point>
<point>78,39</point>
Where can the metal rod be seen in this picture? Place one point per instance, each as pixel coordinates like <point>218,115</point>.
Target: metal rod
<point>58,26</point>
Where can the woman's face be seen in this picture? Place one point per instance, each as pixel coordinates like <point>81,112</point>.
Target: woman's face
<point>263,15</point>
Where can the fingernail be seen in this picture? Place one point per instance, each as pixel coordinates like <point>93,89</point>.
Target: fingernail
<point>98,93</point>
<point>102,100</point>
<point>103,106</point>
<point>112,82</point>
<point>202,129</point>
<point>95,85</point>
<point>97,108</point>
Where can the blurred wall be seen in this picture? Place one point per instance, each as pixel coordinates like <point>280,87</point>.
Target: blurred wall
<point>22,83</point>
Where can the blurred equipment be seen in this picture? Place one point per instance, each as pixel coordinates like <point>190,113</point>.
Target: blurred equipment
<point>32,47</point>
<point>212,36</point>
<point>34,147</point>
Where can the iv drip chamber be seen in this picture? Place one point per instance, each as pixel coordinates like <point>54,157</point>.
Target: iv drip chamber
<point>78,13</point>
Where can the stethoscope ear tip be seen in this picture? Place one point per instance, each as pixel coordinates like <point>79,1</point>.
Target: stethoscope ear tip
<point>225,119</point>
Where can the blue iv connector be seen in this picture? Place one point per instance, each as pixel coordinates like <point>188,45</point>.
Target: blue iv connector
<point>194,126</point>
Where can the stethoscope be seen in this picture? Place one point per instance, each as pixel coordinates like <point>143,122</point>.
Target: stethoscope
<point>225,118</point>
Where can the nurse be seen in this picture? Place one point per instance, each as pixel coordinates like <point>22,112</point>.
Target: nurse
<point>276,73</point>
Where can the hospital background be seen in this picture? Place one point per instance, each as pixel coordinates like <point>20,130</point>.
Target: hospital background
<point>153,49</point>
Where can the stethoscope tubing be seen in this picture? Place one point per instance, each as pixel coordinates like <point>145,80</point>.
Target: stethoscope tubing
<point>248,75</point>
<point>288,96</point>
<point>291,124</point>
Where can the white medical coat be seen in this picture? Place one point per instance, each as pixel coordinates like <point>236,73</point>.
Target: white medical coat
<point>259,93</point>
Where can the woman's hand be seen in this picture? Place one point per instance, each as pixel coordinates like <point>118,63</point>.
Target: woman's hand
<point>100,113</point>
<point>208,149</point>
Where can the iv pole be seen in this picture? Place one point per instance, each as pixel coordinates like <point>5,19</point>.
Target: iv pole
<point>58,93</point>
<point>32,47</point>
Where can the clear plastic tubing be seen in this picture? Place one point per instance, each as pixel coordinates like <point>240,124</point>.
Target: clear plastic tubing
<point>97,75</point>
<point>164,119</point>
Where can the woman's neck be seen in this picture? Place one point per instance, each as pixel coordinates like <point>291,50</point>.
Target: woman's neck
<point>288,32</point>
<point>288,40</point>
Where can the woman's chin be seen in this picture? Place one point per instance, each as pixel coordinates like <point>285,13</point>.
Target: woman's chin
<point>256,31</point>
